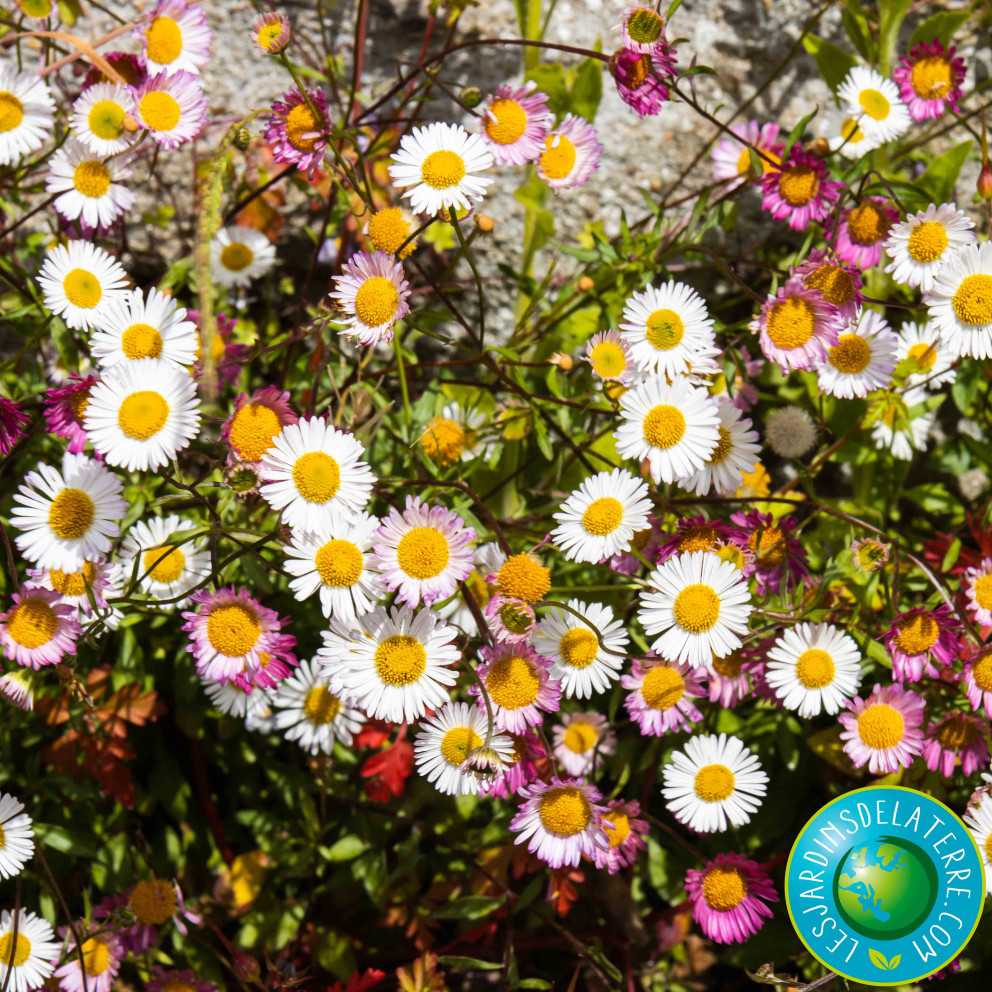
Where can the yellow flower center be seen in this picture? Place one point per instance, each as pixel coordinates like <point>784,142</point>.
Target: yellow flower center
<point>388,229</point>
<point>645,26</point>
<point>339,563</point>
<point>733,554</point>
<point>91,178</point>
<point>580,737</point>
<point>558,157</point>
<point>973,300</point>
<point>523,577</point>
<point>578,647</point>
<point>505,122</point>
<point>320,705</point>
<point>443,169</point>
<point>400,660</point>
<point>512,682</point>
<point>153,902</point>
<point>833,282</point>
<point>815,669</point>
<point>164,563</point>
<point>697,608</point>
<point>724,889</point>
<point>768,544</point>
<point>714,783</point>
<point>931,77</point>
<point>851,354</point>
<point>515,619</point>
<point>253,429</point>
<point>457,743</point>
<point>96,957</point>
<point>798,184</point>
<point>564,811</point>
<point>916,634</point>
<point>698,537</point>
<point>233,629</point>
<point>36,8</point>
<point>724,446</point>
<point>662,687</point>
<point>443,440</point>
<point>163,41</point>
<point>159,111</point>
<point>106,120</point>
<point>302,128</point>
<point>665,329</point>
<point>874,104</point>
<point>316,476</point>
<point>925,355</point>
<point>850,131</point>
<point>881,726</point>
<point>14,954</point>
<point>927,242</point>
<point>71,514</point>
<point>957,733</point>
<point>729,667</point>
<point>141,341</point>
<point>11,111</point>
<point>73,583</point>
<point>376,301</point>
<point>867,224</point>
<point>607,359</point>
<point>143,414</point>
<point>769,161</point>
<point>621,827</point>
<point>423,552</point>
<point>983,591</point>
<point>82,289</point>
<point>603,516</point>
<point>664,426</point>
<point>236,256</point>
<point>981,672</point>
<point>266,38</point>
<point>32,623</point>
<point>791,322</point>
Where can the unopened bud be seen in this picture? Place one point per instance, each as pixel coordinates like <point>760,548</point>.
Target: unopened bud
<point>245,967</point>
<point>471,96</point>
<point>819,147</point>
<point>242,138</point>
<point>586,284</point>
<point>563,361</point>
<point>484,223</point>
<point>985,182</point>
<point>130,124</point>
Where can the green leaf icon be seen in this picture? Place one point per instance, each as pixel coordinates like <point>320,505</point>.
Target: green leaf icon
<point>878,959</point>
<point>894,961</point>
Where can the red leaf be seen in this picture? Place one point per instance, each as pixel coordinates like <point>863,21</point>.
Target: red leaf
<point>375,733</point>
<point>387,771</point>
<point>357,982</point>
<point>562,893</point>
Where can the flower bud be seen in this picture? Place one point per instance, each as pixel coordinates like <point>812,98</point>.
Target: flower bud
<point>471,97</point>
<point>130,124</point>
<point>242,138</point>
<point>586,284</point>
<point>563,361</point>
<point>245,967</point>
<point>985,182</point>
<point>484,223</point>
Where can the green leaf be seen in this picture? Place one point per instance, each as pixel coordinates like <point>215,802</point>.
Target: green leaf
<point>834,64</point>
<point>894,961</point>
<point>540,983</point>
<point>587,89</point>
<point>346,848</point>
<point>797,132</point>
<point>878,959</point>
<point>468,964</point>
<point>940,26</point>
<point>467,908</point>
<point>672,7</point>
<point>856,25</point>
<point>942,173</point>
<point>550,79</point>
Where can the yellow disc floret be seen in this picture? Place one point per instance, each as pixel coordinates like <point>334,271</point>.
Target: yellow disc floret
<point>253,429</point>
<point>339,563</point>
<point>724,888</point>
<point>143,414</point>
<point>316,476</point>
<point>664,426</point>
<point>71,514</point>
<point>512,682</point>
<point>564,811</point>
<point>714,783</point>
<point>400,660</point>
<point>153,902</point>
<point>815,668</point>
<point>523,577</point>
<point>32,623</point>
<point>881,726</point>
<point>697,608</point>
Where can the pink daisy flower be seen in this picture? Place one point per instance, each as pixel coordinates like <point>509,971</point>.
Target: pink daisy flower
<point>978,589</point>
<point>174,980</point>
<point>128,65</point>
<point>730,677</point>
<point>64,409</point>
<point>729,898</point>
<point>977,678</point>
<point>297,136</point>
<point>929,80</point>
<point>661,696</point>
<point>515,123</point>
<point>423,552</point>
<point>513,775</point>
<point>643,79</point>
<point>838,283</point>
<point>256,422</point>
<point>519,684</point>
<point>732,159</point>
<point>229,633</point>
<point>271,32</point>
<point>801,191</point>
<point>172,108</point>
<point>797,327</point>
<point>74,588</point>
<point>571,153</point>
<point>921,637</point>
<point>272,667</point>
<point>12,419</point>
<point>692,534</point>
<point>373,293</point>
<point>883,731</point>
<point>38,630</point>
<point>642,29</point>
<point>175,38</point>
<point>626,834</point>
<point>578,739</point>
<point>646,542</point>
<point>777,552</point>
<point>861,232</point>
<point>560,821</point>
<point>229,358</point>
<point>957,735</point>
<point>510,620</point>
<point>17,687</point>
<point>102,955</point>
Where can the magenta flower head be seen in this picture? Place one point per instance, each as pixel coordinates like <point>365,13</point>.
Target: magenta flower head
<point>256,422</point>
<point>515,122</point>
<point>883,731</point>
<point>777,552</point>
<point>12,420</point>
<point>519,684</point>
<point>729,898</point>
<point>64,409</point>
<point>644,80</point>
<point>625,832</point>
<point>518,771</point>
<point>797,327</point>
<point>172,108</point>
<point>101,959</point>
<point>297,130</point>
<point>838,283</point>
<point>920,638</point>
<point>693,534</point>
<point>732,158</point>
<point>660,700</point>
<point>800,191</point>
<point>929,80</point>
<point>957,736</point>
<point>977,678</point>
<point>38,629</point>
<point>861,232</point>
<point>643,30</point>
<point>128,66</point>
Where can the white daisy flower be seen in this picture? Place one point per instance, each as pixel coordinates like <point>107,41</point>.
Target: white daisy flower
<point>921,244</point>
<point>814,668</point>
<point>97,119</point>
<point>675,426</point>
<point>337,561</point>
<point>602,516</point>
<point>978,819</point>
<point>96,578</point>
<point>393,665</point>
<point>735,455</point>
<point>903,442</point>
<point>141,413</point>
<point>171,107</point>
<point>26,113</point>
<point>373,294</point>
<point>80,282</point>
<point>16,839</point>
<point>582,663</point>
<point>446,744</point>
<point>874,103</point>
<point>68,516</point>
<point>863,359</point>
<point>239,254</point>
<point>850,140</point>
<point>254,707</point>
<point>134,328</point>
<point>441,163</point>
<point>669,330</point>
<point>922,343</point>
<point>88,188</point>
<point>310,714</point>
<point>715,782</point>
<point>28,962</point>
<point>164,566</point>
<point>578,739</point>
<point>960,301</point>
<point>16,687</point>
<point>313,469</point>
<point>455,435</point>
<point>177,37</point>
<point>699,606</point>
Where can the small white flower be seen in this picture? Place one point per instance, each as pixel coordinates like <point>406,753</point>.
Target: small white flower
<point>863,359</point>
<point>80,282</point>
<point>16,838</point>
<point>960,301</point>
<point>922,343</point>
<point>240,254</point>
<point>135,327</point>
<point>873,102</point>
<point>26,113</point>
<point>921,244</point>
<point>88,188</point>
<point>28,963</point>
<point>735,455</point>
<point>164,568</point>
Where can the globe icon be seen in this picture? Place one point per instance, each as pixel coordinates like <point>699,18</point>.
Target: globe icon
<point>885,887</point>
